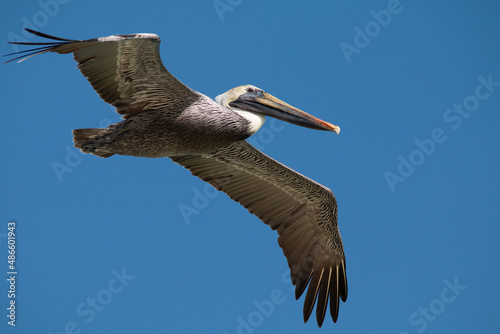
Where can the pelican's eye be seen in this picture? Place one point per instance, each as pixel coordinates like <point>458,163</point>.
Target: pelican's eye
<point>250,89</point>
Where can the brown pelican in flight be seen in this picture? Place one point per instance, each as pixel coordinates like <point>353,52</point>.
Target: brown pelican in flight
<point>165,118</point>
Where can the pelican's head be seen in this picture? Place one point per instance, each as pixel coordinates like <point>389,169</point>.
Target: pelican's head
<point>253,103</point>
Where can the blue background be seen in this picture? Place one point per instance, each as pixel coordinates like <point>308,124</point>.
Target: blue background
<point>405,242</point>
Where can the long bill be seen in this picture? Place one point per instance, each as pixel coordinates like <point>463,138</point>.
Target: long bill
<point>264,103</point>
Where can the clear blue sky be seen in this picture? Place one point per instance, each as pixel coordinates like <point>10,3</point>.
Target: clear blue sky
<point>102,246</point>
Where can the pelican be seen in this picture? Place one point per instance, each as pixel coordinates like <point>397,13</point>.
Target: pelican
<point>164,118</point>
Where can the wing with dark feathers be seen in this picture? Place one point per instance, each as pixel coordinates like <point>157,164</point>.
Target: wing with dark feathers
<point>125,70</point>
<point>302,211</point>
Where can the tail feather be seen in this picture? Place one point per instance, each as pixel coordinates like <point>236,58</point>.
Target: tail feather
<point>91,141</point>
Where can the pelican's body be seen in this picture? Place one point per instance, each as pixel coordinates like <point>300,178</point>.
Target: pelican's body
<point>164,118</point>
<point>160,133</point>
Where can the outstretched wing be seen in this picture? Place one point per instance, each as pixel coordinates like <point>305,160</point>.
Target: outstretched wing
<point>125,70</point>
<point>302,211</point>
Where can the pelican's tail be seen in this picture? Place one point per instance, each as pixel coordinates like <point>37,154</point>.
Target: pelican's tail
<point>92,141</point>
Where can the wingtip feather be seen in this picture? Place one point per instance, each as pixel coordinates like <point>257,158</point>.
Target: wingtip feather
<point>324,290</point>
<point>312,294</point>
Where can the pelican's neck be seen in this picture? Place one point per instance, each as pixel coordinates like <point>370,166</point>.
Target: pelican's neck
<point>255,120</point>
